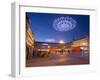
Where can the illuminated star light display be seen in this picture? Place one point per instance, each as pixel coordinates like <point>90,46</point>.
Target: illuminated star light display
<point>64,24</point>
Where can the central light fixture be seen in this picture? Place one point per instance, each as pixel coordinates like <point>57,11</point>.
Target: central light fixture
<point>64,24</point>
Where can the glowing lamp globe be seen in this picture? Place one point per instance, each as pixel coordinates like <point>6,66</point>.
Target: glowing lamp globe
<point>61,42</point>
<point>64,24</point>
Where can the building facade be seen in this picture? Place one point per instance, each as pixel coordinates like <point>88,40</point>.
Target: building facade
<point>81,42</point>
<point>52,47</point>
<point>29,39</point>
<point>81,45</point>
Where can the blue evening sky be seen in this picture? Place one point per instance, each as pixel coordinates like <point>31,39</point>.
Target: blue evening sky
<point>41,25</point>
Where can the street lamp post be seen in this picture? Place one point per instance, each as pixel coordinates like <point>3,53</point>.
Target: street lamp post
<point>61,42</point>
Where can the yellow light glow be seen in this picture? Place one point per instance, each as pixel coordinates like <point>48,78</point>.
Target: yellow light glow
<point>84,44</point>
<point>61,42</point>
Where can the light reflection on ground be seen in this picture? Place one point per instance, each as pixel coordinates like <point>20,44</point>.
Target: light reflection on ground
<point>58,59</point>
